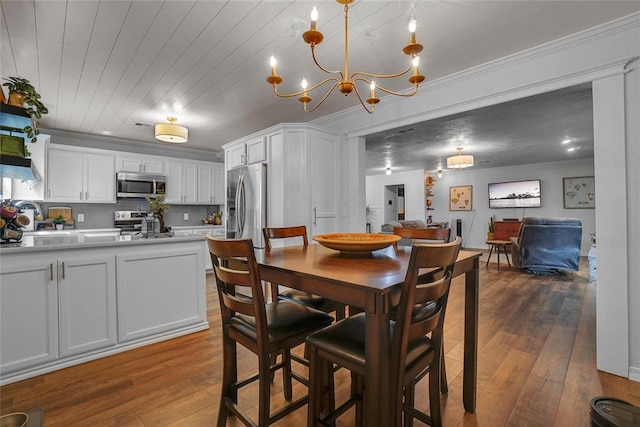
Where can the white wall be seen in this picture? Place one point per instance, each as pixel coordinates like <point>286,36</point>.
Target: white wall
<point>474,223</point>
<point>414,199</point>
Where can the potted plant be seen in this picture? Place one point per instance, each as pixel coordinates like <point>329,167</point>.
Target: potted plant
<point>59,222</point>
<point>491,232</point>
<point>158,208</point>
<point>21,93</point>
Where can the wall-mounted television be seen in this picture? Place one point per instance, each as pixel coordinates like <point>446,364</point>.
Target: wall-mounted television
<point>515,194</point>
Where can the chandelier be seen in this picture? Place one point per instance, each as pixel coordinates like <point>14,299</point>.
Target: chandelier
<point>459,161</point>
<point>341,79</point>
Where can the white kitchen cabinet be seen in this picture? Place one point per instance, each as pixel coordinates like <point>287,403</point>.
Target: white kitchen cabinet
<point>323,172</point>
<point>211,183</point>
<point>303,175</point>
<point>53,308</point>
<point>145,164</point>
<point>87,298</point>
<point>28,314</point>
<point>59,305</point>
<point>77,176</point>
<point>246,152</point>
<point>149,302</point>
<point>182,182</point>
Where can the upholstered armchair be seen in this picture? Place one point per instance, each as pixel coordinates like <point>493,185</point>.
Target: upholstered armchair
<point>546,245</point>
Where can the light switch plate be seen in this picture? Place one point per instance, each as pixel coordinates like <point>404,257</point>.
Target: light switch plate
<point>186,216</point>
<point>80,217</point>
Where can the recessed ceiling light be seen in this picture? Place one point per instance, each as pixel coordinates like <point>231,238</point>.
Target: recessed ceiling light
<point>107,132</point>
<point>571,149</point>
<point>566,141</point>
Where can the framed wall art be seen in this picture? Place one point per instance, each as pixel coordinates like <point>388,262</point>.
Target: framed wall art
<point>579,192</point>
<point>461,198</point>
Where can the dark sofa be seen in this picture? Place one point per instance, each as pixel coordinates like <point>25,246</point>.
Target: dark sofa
<point>546,245</point>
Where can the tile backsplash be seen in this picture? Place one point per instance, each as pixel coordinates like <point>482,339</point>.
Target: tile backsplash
<point>101,215</point>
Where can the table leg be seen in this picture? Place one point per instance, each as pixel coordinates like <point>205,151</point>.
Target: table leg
<point>377,406</point>
<point>471,297</point>
<point>489,257</point>
<point>498,251</point>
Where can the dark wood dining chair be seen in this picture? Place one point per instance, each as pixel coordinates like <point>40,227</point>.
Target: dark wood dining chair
<point>416,345</point>
<point>265,329</point>
<point>294,295</point>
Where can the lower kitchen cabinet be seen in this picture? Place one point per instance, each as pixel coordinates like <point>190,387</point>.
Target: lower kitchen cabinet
<point>87,303</point>
<point>160,290</point>
<point>28,314</point>
<point>53,308</point>
<point>64,306</point>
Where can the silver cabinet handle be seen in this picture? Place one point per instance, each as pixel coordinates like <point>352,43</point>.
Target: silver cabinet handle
<point>63,269</point>
<point>315,211</point>
<point>51,272</point>
<point>86,195</point>
<point>81,195</point>
<point>48,192</point>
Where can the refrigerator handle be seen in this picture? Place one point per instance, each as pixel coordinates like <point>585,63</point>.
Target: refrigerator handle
<point>242,206</point>
<point>315,212</point>
<point>237,207</point>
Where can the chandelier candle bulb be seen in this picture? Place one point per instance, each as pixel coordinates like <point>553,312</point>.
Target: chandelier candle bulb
<point>373,88</point>
<point>314,18</point>
<point>412,31</point>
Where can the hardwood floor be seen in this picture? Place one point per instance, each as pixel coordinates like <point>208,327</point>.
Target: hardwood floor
<point>536,367</point>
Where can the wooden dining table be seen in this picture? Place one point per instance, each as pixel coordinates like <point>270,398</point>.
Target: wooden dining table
<point>372,283</point>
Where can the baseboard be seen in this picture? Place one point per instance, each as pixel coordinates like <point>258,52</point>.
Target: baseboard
<point>634,374</point>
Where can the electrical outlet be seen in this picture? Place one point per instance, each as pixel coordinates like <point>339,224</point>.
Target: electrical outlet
<point>80,217</point>
<point>186,216</point>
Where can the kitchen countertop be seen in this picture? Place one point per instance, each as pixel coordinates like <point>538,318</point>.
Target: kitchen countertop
<point>61,240</point>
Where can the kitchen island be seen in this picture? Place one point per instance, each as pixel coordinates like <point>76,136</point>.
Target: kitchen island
<point>70,297</point>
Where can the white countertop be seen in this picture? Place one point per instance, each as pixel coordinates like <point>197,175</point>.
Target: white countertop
<point>61,240</point>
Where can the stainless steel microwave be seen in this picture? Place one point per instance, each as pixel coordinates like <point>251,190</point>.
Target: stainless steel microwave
<point>130,184</point>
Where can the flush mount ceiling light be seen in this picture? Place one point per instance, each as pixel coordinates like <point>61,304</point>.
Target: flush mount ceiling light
<point>459,161</point>
<point>345,82</point>
<point>171,132</point>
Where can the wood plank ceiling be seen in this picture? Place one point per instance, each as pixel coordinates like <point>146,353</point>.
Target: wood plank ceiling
<point>103,66</point>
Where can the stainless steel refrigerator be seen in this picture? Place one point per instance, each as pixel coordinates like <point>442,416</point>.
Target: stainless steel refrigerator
<point>247,203</point>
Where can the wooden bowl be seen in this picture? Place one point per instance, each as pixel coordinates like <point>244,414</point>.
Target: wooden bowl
<point>356,242</point>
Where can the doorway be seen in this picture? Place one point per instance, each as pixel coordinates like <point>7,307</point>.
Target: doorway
<point>394,203</point>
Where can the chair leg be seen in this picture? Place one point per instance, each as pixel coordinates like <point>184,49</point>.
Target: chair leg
<point>444,386</point>
<point>434,395</point>
<point>340,312</point>
<point>286,374</point>
<point>264,385</point>
<point>409,400</point>
<point>357,388</point>
<point>229,377</point>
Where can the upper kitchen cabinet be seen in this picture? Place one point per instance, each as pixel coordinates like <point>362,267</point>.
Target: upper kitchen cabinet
<point>139,163</point>
<point>211,183</point>
<point>182,182</point>
<point>303,175</point>
<point>246,152</point>
<point>86,176</point>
